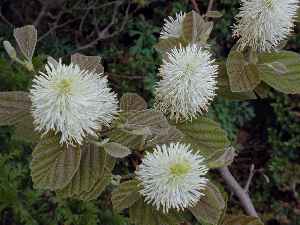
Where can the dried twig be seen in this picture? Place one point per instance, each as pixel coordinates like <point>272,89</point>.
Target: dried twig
<point>210,5</point>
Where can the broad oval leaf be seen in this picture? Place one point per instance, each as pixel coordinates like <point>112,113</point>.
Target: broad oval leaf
<point>14,106</point>
<point>165,45</point>
<point>116,150</point>
<point>243,76</point>
<point>141,213</point>
<point>127,138</point>
<point>221,158</point>
<point>125,195</point>
<point>204,135</point>
<point>91,169</point>
<point>166,136</point>
<point>195,28</point>
<point>53,165</point>
<point>132,102</point>
<point>224,87</point>
<point>89,63</point>
<point>210,207</point>
<point>26,38</point>
<point>242,220</point>
<point>285,79</point>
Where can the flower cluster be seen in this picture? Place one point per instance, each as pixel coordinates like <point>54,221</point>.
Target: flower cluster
<point>71,102</point>
<point>188,82</point>
<point>263,24</point>
<point>173,27</point>
<point>172,177</point>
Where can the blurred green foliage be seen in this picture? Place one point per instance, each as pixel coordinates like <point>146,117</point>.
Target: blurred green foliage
<point>132,64</point>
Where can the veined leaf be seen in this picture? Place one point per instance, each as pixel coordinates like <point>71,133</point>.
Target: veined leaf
<point>243,76</point>
<point>14,106</point>
<point>165,45</point>
<point>224,87</point>
<point>166,136</point>
<point>116,150</point>
<point>222,158</point>
<point>141,213</point>
<point>53,165</point>
<point>90,170</point>
<point>242,220</point>
<point>125,195</point>
<point>90,63</point>
<point>26,38</point>
<point>126,138</point>
<point>210,207</point>
<point>195,28</point>
<point>205,136</point>
<point>132,102</point>
<point>284,78</point>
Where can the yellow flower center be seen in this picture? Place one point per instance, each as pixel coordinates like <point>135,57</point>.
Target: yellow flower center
<point>180,169</point>
<point>64,86</point>
<point>269,3</point>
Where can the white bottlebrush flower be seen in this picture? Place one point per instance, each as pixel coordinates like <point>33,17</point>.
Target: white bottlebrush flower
<point>172,177</point>
<point>188,82</point>
<point>263,24</point>
<point>172,27</point>
<point>71,102</point>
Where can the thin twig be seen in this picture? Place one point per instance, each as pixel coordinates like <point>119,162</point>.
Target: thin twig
<point>41,15</point>
<point>236,188</point>
<point>251,174</point>
<point>210,5</point>
<point>195,5</point>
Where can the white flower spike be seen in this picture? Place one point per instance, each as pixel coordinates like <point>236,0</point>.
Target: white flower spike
<point>172,177</point>
<point>263,24</point>
<point>188,82</point>
<point>71,102</point>
<point>172,27</point>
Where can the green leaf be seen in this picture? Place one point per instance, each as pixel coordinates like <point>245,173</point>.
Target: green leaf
<point>92,185</point>
<point>214,14</point>
<point>166,136</point>
<point>89,63</point>
<point>116,150</point>
<point>132,102</point>
<point>204,135</point>
<point>154,120</point>
<point>14,107</point>
<point>127,138</point>
<point>141,213</point>
<point>243,76</point>
<point>90,170</point>
<point>165,45</point>
<point>26,38</point>
<point>195,28</point>
<point>242,220</point>
<point>221,158</point>
<point>281,70</point>
<point>53,165</point>
<point>25,130</point>
<point>224,87</point>
<point>210,207</point>
<point>125,195</point>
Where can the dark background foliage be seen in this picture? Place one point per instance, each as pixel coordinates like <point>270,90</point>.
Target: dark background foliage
<point>266,132</point>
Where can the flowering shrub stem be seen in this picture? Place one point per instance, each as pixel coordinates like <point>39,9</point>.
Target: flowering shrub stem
<point>236,188</point>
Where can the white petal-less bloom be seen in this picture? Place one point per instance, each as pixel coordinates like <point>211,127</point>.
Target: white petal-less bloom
<point>263,24</point>
<point>188,82</point>
<point>172,177</point>
<point>172,27</point>
<point>71,102</point>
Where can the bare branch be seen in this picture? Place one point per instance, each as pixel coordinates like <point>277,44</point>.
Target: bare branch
<point>41,15</point>
<point>251,174</point>
<point>238,191</point>
<point>195,5</point>
<point>210,5</point>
